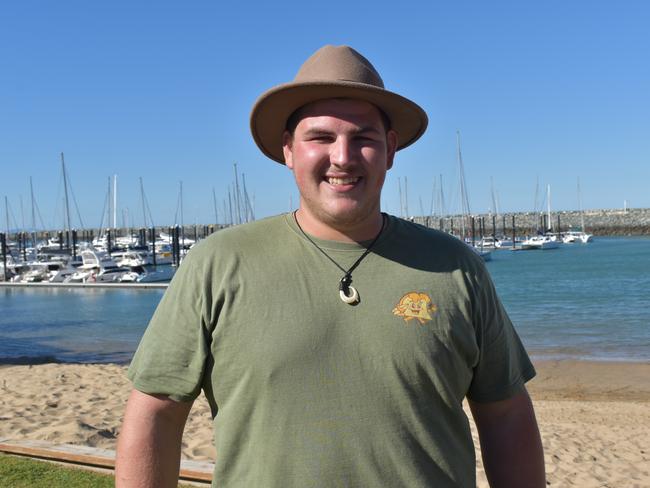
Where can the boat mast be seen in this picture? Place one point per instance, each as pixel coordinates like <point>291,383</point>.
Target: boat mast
<point>495,204</point>
<point>109,210</point>
<point>433,198</point>
<point>114,202</point>
<point>182,226</point>
<point>7,215</point>
<point>406,198</point>
<point>442,208</point>
<point>232,222</point>
<point>536,195</point>
<point>144,213</point>
<point>464,199</point>
<point>237,197</point>
<point>22,214</point>
<point>250,214</point>
<point>65,189</point>
<point>582,215</point>
<point>31,192</point>
<point>214,202</point>
<point>549,224</point>
<point>401,202</point>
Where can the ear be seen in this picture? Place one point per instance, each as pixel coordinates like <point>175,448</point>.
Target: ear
<point>391,147</point>
<point>287,141</point>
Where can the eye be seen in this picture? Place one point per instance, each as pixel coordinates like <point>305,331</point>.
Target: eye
<point>320,138</point>
<point>367,138</point>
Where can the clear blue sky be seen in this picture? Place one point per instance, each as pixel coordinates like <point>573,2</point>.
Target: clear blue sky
<point>547,91</point>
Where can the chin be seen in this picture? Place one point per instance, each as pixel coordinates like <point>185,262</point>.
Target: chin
<point>349,216</point>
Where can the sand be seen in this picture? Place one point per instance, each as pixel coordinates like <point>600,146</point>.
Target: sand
<point>594,417</point>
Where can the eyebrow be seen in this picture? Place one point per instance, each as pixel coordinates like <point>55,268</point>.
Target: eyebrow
<point>361,130</point>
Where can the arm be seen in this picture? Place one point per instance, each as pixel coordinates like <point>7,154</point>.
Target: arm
<point>149,444</point>
<point>511,446</point>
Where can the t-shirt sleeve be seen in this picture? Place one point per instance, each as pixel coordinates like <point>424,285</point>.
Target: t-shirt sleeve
<point>171,356</point>
<point>503,366</point>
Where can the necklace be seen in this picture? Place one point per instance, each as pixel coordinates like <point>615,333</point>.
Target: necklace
<point>347,292</point>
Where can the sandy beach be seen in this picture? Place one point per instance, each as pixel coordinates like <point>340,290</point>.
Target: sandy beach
<point>594,417</point>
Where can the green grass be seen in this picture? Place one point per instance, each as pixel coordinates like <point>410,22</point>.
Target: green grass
<point>19,472</point>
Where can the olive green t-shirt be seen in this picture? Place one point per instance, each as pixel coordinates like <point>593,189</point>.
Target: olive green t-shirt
<point>308,391</point>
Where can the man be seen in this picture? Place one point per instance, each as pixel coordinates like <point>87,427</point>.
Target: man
<point>335,344</point>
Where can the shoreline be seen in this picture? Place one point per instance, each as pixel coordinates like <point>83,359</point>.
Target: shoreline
<point>561,378</point>
<point>589,380</point>
<point>594,416</point>
<point>557,379</point>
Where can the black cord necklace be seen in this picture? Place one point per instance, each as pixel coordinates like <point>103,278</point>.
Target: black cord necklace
<point>347,292</point>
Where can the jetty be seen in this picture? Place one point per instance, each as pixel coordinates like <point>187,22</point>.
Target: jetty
<point>47,284</point>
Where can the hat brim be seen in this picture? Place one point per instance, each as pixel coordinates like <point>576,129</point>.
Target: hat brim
<point>272,110</point>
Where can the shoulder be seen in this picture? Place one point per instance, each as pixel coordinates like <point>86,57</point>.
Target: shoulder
<point>226,252</point>
<point>243,238</point>
<point>420,231</point>
<point>416,238</point>
<point>420,248</point>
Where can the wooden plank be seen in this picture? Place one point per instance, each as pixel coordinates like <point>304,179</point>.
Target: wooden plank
<point>85,456</point>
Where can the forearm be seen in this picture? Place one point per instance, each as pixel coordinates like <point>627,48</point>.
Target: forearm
<point>514,460</point>
<point>149,444</point>
<point>511,445</point>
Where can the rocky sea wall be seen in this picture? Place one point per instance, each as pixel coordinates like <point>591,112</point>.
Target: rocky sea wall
<point>634,221</point>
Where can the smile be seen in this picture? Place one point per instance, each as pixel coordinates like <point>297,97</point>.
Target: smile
<point>342,181</point>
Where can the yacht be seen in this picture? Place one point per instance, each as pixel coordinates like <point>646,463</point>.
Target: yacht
<point>141,275</point>
<point>35,273</point>
<point>488,242</point>
<point>578,236</point>
<point>541,242</point>
<point>58,272</point>
<point>130,258</point>
<point>98,266</point>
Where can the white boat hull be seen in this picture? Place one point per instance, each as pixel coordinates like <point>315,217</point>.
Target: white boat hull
<point>539,243</point>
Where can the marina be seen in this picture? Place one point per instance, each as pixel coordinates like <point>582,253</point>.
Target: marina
<point>577,302</point>
<point>87,295</point>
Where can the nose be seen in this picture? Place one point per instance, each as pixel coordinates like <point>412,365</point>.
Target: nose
<point>342,151</point>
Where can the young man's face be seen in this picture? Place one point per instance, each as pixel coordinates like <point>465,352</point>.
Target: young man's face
<point>339,153</point>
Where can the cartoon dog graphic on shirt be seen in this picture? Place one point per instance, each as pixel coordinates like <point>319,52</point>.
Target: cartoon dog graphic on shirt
<point>415,305</point>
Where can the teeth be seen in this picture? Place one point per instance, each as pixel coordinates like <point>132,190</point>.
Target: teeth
<point>342,181</point>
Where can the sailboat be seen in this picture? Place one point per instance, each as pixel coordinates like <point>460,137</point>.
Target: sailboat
<point>579,236</point>
<point>542,241</point>
<point>465,211</point>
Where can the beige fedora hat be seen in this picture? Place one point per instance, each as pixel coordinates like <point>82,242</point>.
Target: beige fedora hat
<point>332,72</point>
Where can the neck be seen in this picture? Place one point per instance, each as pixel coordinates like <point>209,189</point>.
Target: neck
<point>342,232</point>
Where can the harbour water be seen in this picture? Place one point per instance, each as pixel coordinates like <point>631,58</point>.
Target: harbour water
<point>73,324</point>
<point>580,301</point>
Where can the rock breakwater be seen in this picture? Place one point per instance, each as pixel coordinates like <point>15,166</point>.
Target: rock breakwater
<point>635,221</point>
